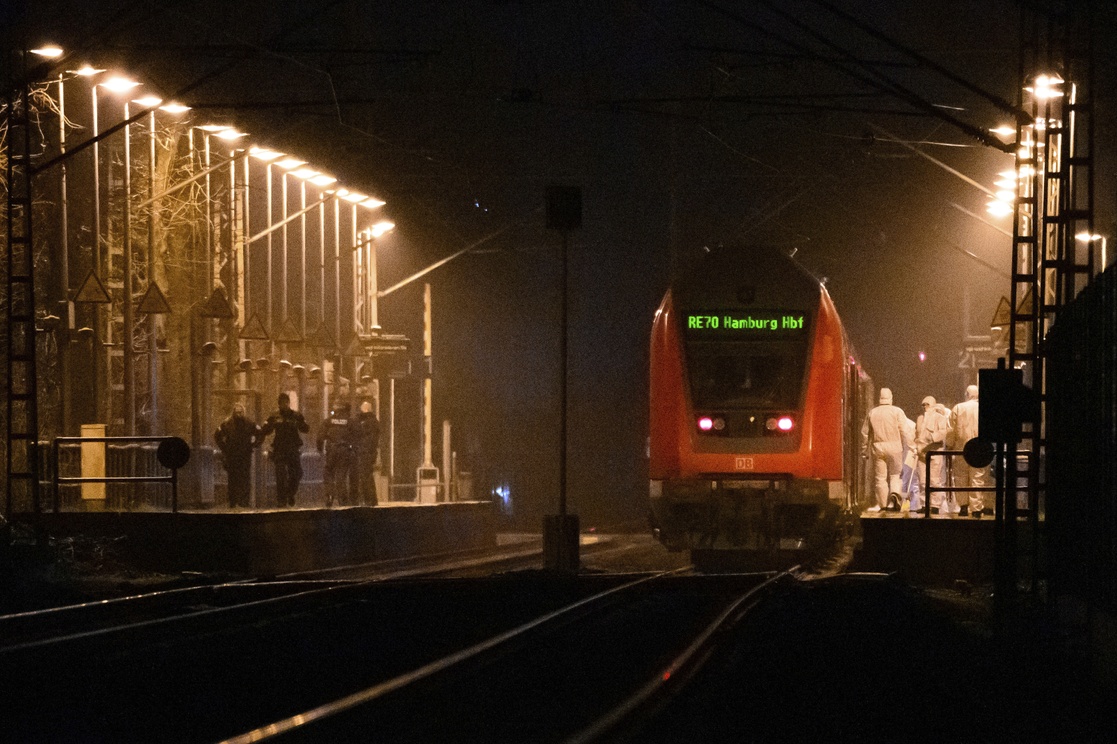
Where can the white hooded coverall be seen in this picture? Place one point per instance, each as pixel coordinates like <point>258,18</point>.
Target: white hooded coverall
<point>931,430</point>
<point>884,439</point>
<point>963,421</point>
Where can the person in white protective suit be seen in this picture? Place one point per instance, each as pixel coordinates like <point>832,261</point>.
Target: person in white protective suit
<point>907,475</point>
<point>883,441</point>
<point>931,431</point>
<point>963,423</point>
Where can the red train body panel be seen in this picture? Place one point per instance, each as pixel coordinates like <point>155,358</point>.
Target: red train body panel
<point>756,406</point>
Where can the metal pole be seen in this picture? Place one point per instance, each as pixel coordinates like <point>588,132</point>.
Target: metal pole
<point>247,248</point>
<point>322,262</point>
<point>427,434</point>
<point>391,432</point>
<point>352,242</point>
<point>64,265</point>
<point>337,272</point>
<point>373,281</point>
<point>302,262</point>
<point>207,370</point>
<point>196,439</point>
<point>446,450</point>
<point>100,369</point>
<point>153,350</point>
<point>562,383</point>
<point>236,278</point>
<point>129,320</point>
<point>360,285</point>
<point>283,247</point>
<point>271,316</point>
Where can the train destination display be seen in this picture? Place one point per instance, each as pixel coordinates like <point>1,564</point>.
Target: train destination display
<point>737,323</point>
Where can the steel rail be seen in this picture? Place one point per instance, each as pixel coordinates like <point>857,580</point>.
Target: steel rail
<point>439,666</point>
<point>682,668</point>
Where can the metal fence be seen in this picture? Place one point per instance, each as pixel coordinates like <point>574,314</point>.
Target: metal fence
<point>1082,446</point>
<point>126,476</point>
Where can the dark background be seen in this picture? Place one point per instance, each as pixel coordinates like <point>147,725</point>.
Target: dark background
<point>683,123</point>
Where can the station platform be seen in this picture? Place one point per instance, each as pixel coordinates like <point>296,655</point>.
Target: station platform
<point>928,550</point>
<point>266,542</point>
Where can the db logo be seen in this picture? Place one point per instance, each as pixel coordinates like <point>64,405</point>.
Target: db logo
<point>743,463</point>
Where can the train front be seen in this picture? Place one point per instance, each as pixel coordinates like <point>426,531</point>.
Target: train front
<point>747,423</point>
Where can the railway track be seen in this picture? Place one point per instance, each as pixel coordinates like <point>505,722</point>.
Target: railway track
<point>575,673</point>
<point>218,660</point>
<point>524,656</point>
<point>127,613</point>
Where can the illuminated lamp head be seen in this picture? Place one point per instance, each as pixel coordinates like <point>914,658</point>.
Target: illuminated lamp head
<point>705,423</point>
<point>781,424</point>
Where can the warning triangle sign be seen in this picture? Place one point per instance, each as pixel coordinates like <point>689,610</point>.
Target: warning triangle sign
<point>354,349</point>
<point>217,306</point>
<point>154,302</point>
<point>287,334</point>
<point>322,338</point>
<point>92,290</point>
<point>254,330</point>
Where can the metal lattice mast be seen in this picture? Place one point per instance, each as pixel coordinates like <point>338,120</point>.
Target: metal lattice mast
<point>22,426</point>
<point>1055,202</point>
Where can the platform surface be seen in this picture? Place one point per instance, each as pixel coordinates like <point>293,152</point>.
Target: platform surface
<point>939,549</point>
<point>275,541</point>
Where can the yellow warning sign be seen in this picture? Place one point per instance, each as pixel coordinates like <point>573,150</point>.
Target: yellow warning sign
<point>254,330</point>
<point>154,302</point>
<point>217,306</point>
<point>287,334</point>
<point>92,290</point>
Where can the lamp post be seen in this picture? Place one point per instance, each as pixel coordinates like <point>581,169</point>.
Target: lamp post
<point>64,264</point>
<point>375,232</point>
<point>152,103</point>
<point>124,85</point>
<point>96,349</point>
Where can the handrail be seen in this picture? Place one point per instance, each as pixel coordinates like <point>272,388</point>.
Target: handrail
<point>58,480</point>
<point>948,455</point>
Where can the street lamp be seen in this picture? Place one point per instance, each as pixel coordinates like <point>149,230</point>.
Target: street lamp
<point>375,233</point>
<point>1086,237</point>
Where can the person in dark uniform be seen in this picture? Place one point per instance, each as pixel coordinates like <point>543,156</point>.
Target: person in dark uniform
<point>339,439</point>
<point>286,447</point>
<point>368,450</point>
<point>236,438</point>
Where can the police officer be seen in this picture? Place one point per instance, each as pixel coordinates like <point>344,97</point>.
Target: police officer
<point>368,451</point>
<point>884,439</point>
<point>339,438</point>
<point>236,438</point>
<point>286,449</point>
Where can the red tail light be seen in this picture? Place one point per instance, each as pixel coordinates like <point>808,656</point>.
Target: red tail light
<point>711,423</point>
<point>780,424</point>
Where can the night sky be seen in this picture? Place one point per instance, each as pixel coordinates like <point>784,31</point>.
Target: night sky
<point>684,123</point>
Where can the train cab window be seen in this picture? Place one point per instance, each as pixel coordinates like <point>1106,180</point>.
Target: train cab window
<point>744,374</point>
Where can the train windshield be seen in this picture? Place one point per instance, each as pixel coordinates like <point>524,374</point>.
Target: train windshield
<point>746,374</point>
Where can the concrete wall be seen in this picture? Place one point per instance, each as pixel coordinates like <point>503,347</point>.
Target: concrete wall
<point>277,542</point>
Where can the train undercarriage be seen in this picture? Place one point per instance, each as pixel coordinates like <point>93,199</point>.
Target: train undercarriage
<point>751,524</point>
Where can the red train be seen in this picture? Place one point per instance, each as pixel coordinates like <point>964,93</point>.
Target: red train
<point>757,401</point>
